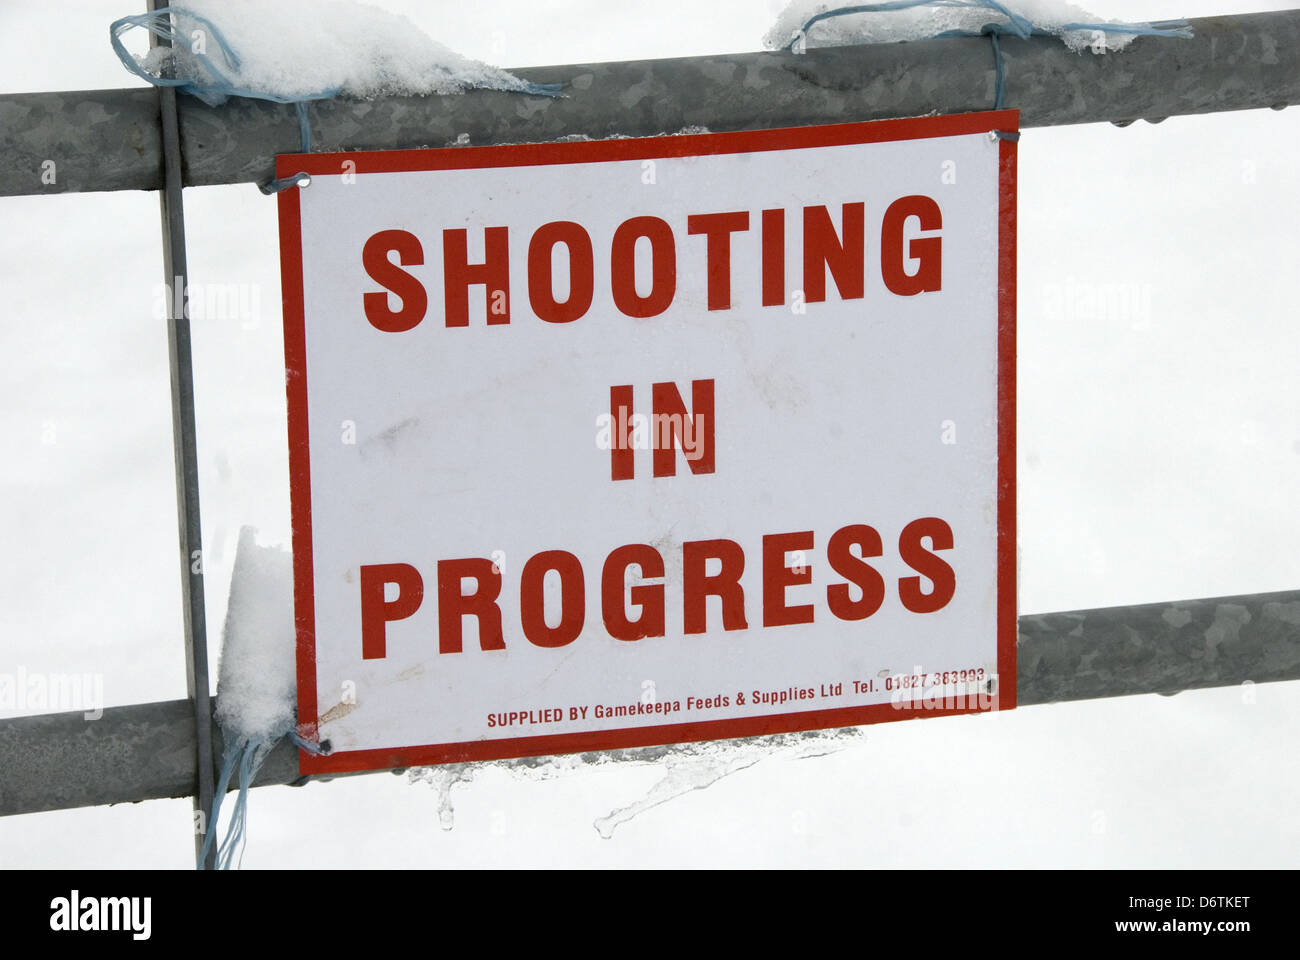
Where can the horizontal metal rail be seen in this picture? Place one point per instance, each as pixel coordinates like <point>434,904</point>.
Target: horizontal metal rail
<point>146,751</point>
<point>109,140</point>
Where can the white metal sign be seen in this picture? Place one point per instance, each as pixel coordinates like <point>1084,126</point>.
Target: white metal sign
<point>636,441</point>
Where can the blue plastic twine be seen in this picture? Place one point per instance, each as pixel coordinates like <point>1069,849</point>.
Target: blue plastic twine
<point>1020,25</point>
<point>246,755</point>
<point>1017,25</point>
<point>214,83</point>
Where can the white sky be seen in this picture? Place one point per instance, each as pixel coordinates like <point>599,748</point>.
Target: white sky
<point>1159,455</point>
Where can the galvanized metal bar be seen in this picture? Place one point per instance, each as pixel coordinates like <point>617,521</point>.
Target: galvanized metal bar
<point>185,445</point>
<point>146,751</point>
<point>1158,648</point>
<point>1233,63</point>
<point>96,140</point>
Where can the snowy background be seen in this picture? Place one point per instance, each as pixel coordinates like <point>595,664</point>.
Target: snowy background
<point>1159,459</point>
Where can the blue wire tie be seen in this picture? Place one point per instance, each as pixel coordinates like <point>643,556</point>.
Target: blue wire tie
<point>318,749</point>
<point>1000,96</point>
<point>284,183</point>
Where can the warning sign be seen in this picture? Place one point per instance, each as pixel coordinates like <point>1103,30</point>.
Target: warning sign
<point>602,444</point>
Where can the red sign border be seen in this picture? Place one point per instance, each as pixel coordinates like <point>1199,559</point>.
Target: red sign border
<point>640,148</point>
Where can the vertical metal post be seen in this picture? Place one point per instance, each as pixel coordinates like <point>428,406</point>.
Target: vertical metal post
<point>176,275</point>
